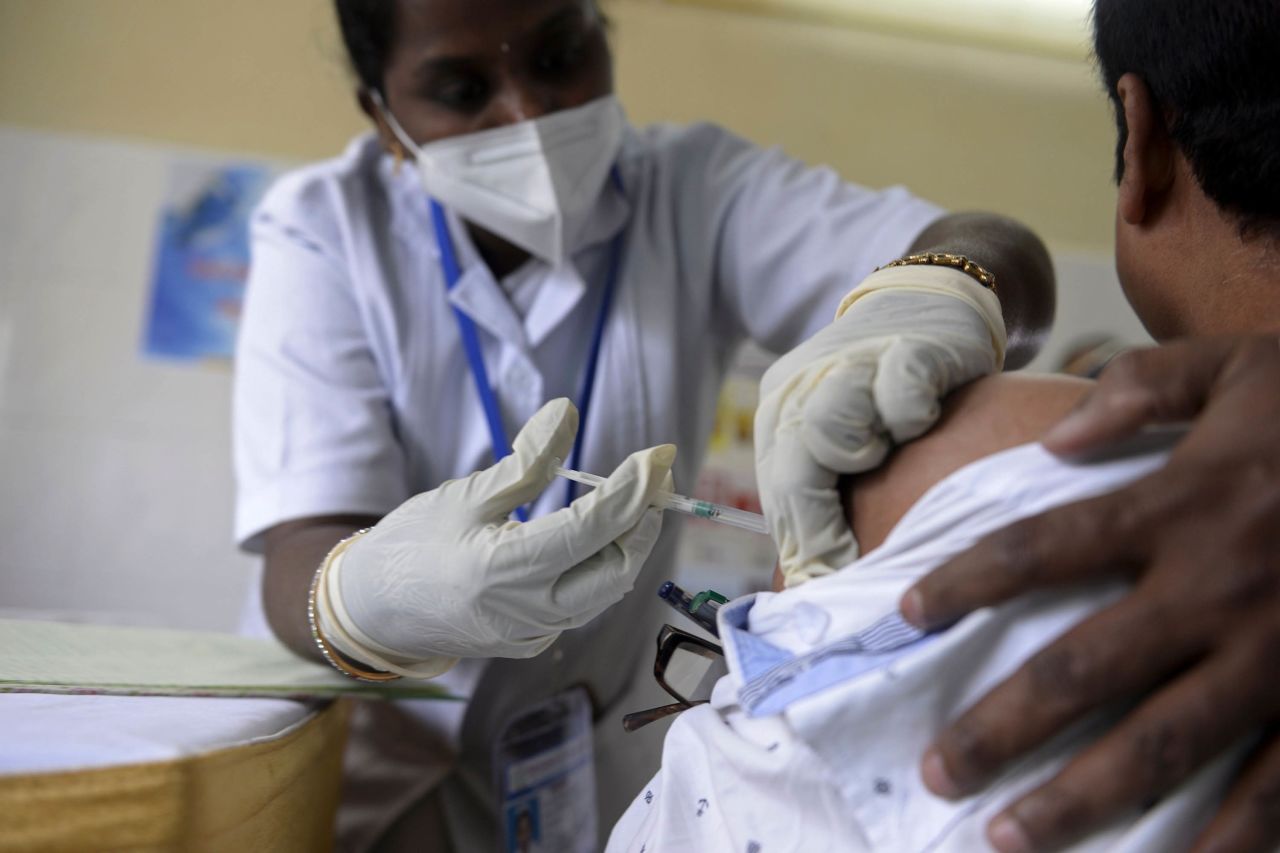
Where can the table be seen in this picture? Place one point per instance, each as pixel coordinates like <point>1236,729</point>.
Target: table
<point>91,772</point>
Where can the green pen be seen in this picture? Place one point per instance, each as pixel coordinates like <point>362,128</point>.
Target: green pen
<point>701,608</point>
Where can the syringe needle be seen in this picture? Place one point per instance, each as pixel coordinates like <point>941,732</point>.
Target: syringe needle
<point>690,506</point>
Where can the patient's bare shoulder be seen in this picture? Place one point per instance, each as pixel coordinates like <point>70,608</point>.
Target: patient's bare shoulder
<point>982,418</point>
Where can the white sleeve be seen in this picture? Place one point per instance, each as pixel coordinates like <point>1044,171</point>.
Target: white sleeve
<point>312,423</point>
<point>792,240</point>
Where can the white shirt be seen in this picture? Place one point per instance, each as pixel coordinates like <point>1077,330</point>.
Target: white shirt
<point>352,390</point>
<point>813,740</point>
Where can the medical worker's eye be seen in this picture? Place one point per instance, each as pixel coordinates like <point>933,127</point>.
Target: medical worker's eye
<point>464,93</point>
<point>564,53</point>
<point>561,60</point>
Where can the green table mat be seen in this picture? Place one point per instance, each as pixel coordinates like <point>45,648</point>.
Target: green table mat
<point>56,657</point>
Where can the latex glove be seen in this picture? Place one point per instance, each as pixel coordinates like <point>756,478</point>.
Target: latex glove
<point>449,575</point>
<point>836,403</point>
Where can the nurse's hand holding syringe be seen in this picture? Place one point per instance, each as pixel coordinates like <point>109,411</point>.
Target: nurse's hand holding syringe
<point>680,503</point>
<point>448,575</point>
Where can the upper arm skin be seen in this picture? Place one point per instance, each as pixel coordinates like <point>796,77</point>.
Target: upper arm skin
<point>980,419</point>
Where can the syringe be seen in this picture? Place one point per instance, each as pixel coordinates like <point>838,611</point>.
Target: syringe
<point>690,506</point>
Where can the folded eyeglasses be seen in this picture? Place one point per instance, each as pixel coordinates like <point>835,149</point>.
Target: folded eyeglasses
<point>686,666</point>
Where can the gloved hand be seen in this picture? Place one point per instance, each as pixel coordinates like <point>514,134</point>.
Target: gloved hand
<point>448,575</point>
<point>834,405</point>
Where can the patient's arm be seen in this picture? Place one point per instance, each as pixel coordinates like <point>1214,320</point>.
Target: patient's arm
<point>980,419</point>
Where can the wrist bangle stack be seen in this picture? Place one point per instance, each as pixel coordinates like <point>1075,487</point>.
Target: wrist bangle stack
<point>936,259</point>
<point>335,658</point>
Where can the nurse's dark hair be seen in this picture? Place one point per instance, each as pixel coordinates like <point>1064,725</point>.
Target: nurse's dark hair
<point>1213,68</point>
<point>367,27</point>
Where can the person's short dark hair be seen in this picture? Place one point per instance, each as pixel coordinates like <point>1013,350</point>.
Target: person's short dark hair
<point>1213,68</point>
<point>367,27</point>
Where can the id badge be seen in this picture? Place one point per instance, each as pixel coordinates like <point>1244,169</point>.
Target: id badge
<point>546,777</point>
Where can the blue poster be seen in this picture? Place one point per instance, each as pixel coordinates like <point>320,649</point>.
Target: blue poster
<point>202,260</point>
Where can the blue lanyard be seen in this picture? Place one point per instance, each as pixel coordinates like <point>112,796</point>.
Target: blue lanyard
<point>471,346</point>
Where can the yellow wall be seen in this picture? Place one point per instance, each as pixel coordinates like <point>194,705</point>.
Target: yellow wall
<point>968,127</point>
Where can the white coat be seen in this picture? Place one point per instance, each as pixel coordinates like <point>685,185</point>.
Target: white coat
<point>353,393</point>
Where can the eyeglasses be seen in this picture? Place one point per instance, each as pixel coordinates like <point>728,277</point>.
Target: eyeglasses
<point>686,666</point>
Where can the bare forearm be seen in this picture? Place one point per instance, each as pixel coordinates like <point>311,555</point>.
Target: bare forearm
<point>294,550</point>
<point>1023,271</point>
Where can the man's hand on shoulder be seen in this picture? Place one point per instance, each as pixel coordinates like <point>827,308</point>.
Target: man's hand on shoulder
<point>1196,639</point>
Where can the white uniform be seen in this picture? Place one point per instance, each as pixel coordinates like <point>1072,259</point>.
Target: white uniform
<point>813,741</point>
<point>353,392</point>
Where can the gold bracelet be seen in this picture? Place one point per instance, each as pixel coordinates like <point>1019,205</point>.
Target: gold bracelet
<point>332,655</point>
<point>982,276</point>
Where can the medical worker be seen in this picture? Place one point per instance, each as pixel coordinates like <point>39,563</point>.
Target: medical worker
<point>503,239</point>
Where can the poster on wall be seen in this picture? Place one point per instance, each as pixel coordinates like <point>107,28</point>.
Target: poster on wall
<point>201,259</point>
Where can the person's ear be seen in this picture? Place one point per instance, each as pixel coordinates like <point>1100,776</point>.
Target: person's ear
<point>1148,153</point>
<point>390,143</point>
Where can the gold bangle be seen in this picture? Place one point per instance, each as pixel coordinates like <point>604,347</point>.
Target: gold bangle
<point>942,259</point>
<point>335,658</point>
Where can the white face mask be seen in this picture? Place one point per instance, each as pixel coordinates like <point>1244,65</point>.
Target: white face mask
<point>533,183</point>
